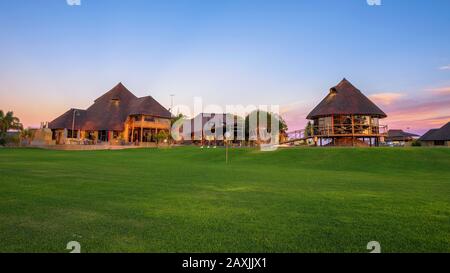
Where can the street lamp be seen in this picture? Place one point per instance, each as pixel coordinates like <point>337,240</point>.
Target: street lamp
<point>171,103</point>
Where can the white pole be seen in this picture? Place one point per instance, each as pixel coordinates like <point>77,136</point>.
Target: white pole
<point>171,103</point>
<point>227,136</point>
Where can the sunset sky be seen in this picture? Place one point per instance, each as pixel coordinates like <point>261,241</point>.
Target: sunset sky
<point>289,53</point>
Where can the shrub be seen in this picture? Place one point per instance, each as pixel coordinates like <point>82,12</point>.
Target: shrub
<point>162,135</point>
<point>10,140</point>
<point>416,143</point>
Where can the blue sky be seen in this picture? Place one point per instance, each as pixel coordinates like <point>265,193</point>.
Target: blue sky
<point>54,56</point>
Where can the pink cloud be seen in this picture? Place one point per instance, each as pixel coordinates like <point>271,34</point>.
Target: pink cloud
<point>440,91</point>
<point>295,114</point>
<point>386,98</point>
<point>419,115</point>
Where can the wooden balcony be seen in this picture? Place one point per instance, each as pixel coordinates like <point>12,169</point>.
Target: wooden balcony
<point>151,124</point>
<point>352,130</point>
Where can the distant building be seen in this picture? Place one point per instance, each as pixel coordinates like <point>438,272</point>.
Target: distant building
<point>116,117</point>
<point>210,128</point>
<point>346,117</point>
<point>437,137</point>
<point>401,138</point>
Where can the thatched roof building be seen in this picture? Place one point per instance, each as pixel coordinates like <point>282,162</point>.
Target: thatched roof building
<point>346,117</point>
<point>118,111</point>
<point>400,135</point>
<point>110,111</point>
<point>212,127</point>
<point>437,137</point>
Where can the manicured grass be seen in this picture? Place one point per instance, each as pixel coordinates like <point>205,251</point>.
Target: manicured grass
<point>188,200</point>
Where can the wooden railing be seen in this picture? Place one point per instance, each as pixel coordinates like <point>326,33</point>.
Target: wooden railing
<point>349,129</point>
<point>339,130</point>
<point>152,124</point>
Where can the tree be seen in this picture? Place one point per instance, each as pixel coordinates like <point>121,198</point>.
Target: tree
<point>162,135</point>
<point>26,134</point>
<point>176,118</point>
<point>172,122</point>
<point>9,122</point>
<point>282,126</point>
<point>308,129</point>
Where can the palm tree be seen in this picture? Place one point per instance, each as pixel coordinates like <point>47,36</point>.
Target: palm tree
<point>9,122</point>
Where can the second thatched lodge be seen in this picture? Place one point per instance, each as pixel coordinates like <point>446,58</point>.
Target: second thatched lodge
<point>116,117</point>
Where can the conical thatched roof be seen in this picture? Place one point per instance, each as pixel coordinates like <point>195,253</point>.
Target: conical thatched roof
<point>110,111</point>
<point>346,99</point>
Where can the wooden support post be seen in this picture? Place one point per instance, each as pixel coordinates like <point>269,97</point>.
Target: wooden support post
<point>142,129</point>
<point>332,124</point>
<point>125,131</point>
<point>353,124</point>
<point>353,130</point>
<point>132,131</point>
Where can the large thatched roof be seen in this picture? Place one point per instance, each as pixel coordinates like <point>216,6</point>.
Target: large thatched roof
<point>442,134</point>
<point>110,111</point>
<point>345,99</point>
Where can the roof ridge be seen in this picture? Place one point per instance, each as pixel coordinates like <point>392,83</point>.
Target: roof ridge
<point>119,89</point>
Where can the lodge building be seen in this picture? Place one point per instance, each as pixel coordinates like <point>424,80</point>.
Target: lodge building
<point>346,117</point>
<point>437,137</point>
<point>117,117</point>
<point>400,137</point>
<point>211,128</point>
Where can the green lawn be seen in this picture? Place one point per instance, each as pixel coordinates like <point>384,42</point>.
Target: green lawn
<point>188,200</point>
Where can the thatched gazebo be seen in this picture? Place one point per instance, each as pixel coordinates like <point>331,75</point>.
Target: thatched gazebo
<point>346,117</point>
